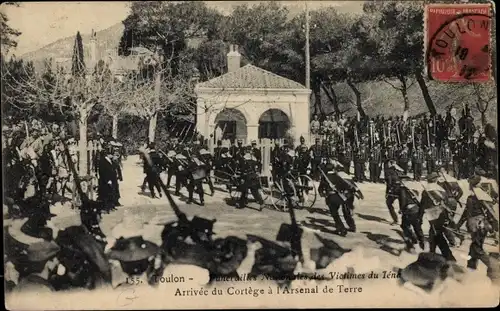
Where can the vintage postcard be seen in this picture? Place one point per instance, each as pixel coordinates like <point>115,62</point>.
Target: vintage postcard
<point>249,154</point>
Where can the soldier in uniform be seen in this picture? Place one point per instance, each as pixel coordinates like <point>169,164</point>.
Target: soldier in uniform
<point>445,157</point>
<point>275,160</point>
<point>303,159</point>
<point>411,218</point>
<point>237,151</point>
<point>477,224</point>
<point>315,125</point>
<point>431,158</point>
<point>153,169</point>
<point>404,158</point>
<point>315,156</point>
<point>181,161</point>
<point>346,157</point>
<point>375,163</point>
<point>227,164</point>
<point>337,192</point>
<point>359,163</point>
<point>196,174</point>
<point>207,160</point>
<point>393,189</point>
<point>257,154</point>
<point>249,165</point>
<point>433,199</point>
<point>417,162</point>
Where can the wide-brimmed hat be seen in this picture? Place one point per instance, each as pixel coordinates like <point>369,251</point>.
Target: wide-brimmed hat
<point>204,152</point>
<point>432,177</point>
<point>132,249</point>
<point>42,251</point>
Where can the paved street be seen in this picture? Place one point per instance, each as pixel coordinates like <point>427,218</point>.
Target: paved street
<point>375,235</point>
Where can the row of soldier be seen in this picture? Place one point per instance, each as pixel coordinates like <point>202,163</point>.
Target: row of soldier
<point>400,130</point>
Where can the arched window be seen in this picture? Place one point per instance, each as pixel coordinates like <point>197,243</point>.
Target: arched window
<point>273,124</point>
<point>231,124</point>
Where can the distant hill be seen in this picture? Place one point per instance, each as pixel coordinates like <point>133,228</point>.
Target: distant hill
<point>108,38</point>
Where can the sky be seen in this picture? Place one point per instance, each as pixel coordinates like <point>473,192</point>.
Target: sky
<point>44,22</point>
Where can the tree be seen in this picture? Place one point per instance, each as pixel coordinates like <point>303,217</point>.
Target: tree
<point>168,26</point>
<point>147,98</point>
<point>398,34</point>
<point>8,35</point>
<point>78,63</point>
<point>485,94</point>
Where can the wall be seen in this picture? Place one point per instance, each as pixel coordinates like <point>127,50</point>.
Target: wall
<point>252,103</point>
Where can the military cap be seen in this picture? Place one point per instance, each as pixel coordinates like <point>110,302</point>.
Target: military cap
<point>204,151</point>
<point>224,149</point>
<point>254,142</point>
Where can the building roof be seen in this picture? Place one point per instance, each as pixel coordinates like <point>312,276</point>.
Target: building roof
<point>251,77</point>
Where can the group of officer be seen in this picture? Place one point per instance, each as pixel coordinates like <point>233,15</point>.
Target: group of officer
<point>414,143</point>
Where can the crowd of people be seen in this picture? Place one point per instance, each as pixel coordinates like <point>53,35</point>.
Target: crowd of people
<point>82,256</point>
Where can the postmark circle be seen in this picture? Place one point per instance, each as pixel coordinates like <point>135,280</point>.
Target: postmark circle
<point>461,46</point>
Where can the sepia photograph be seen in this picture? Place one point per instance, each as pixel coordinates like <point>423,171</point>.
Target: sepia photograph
<point>249,154</point>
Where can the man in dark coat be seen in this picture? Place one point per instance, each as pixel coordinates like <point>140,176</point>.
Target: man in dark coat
<point>152,167</point>
<point>108,180</point>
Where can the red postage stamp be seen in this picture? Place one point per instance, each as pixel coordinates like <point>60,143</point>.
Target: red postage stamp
<point>457,42</point>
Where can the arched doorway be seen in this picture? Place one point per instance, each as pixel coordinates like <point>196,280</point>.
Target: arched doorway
<point>230,123</point>
<point>273,124</point>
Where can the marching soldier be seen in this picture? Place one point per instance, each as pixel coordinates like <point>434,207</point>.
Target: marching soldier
<point>338,192</point>
<point>315,156</point>
<point>207,160</point>
<point>433,204</point>
<point>227,165</point>
<point>375,163</point>
<point>181,177</point>
<point>250,178</point>
<point>171,165</point>
<point>152,170</point>
<point>393,189</point>
<point>477,224</point>
<point>411,218</point>
<point>417,162</point>
<point>196,173</point>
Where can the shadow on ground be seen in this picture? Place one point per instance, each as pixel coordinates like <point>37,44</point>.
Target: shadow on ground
<point>382,240</point>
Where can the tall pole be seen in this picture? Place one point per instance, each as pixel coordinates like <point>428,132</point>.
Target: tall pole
<point>308,57</point>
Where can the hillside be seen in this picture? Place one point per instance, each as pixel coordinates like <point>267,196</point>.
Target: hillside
<point>108,38</point>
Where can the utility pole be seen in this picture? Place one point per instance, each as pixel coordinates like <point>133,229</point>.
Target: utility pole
<point>308,56</point>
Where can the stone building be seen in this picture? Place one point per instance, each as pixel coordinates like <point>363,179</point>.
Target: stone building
<point>250,103</point>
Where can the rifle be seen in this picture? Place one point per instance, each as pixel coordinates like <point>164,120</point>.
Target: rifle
<point>185,135</point>
<point>181,132</point>
<point>180,215</point>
